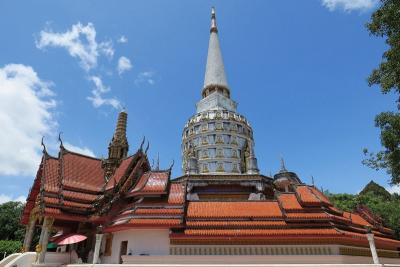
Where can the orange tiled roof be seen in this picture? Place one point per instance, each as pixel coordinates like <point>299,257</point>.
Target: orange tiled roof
<point>52,211</point>
<point>308,216</point>
<point>151,182</point>
<point>79,195</point>
<point>176,194</point>
<point>263,224</point>
<point>51,200</point>
<point>320,195</point>
<point>77,204</point>
<point>51,175</point>
<point>262,209</point>
<point>155,221</point>
<point>82,172</point>
<point>156,182</point>
<point>306,196</point>
<point>158,211</point>
<point>119,172</point>
<point>262,232</point>
<point>336,210</point>
<point>355,218</point>
<point>289,202</point>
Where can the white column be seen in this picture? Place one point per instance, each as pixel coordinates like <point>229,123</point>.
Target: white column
<point>44,238</point>
<point>370,237</point>
<point>30,227</point>
<point>99,238</point>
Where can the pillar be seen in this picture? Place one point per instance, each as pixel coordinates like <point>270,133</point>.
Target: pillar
<point>30,228</point>
<point>97,246</point>
<point>370,237</point>
<point>44,238</point>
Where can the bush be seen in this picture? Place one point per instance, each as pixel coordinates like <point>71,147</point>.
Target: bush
<point>10,247</point>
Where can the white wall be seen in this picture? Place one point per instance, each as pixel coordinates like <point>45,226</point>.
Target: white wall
<point>23,260</point>
<point>57,257</point>
<point>140,241</point>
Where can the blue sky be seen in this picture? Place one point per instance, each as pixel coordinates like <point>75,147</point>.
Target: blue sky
<point>297,69</point>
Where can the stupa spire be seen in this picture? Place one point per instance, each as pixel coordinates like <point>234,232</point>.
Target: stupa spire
<point>213,21</point>
<point>215,78</point>
<point>283,167</point>
<point>118,147</point>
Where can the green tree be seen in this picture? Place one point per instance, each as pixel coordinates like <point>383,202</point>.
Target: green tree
<point>385,22</point>
<point>10,227</point>
<point>376,198</point>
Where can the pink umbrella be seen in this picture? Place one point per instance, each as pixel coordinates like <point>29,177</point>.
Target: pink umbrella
<point>70,239</point>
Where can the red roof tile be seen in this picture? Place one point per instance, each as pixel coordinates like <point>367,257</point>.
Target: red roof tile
<point>82,172</point>
<point>51,175</point>
<point>157,182</point>
<point>320,195</point>
<point>236,223</point>
<point>51,200</point>
<point>77,204</point>
<point>306,196</point>
<point>289,202</point>
<point>119,172</point>
<point>79,195</point>
<point>355,218</point>
<point>308,216</point>
<point>176,194</point>
<point>262,232</point>
<point>262,209</point>
<point>158,211</point>
<point>155,221</point>
<point>52,211</point>
<point>151,182</point>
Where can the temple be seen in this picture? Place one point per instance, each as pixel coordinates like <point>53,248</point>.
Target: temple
<point>221,206</point>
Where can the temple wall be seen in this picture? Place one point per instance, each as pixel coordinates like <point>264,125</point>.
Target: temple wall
<point>254,250</point>
<point>265,260</point>
<point>140,241</point>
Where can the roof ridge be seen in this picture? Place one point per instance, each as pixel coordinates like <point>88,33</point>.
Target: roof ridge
<point>82,155</point>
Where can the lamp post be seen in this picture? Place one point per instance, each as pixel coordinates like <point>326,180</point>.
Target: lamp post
<point>370,237</point>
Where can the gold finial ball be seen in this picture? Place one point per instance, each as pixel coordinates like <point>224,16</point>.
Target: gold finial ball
<point>38,248</point>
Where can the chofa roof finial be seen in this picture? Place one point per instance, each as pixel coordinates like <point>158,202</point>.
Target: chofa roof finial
<point>172,165</point>
<point>158,162</point>
<point>141,144</point>
<point>60,140</point>
<point>44,146</point>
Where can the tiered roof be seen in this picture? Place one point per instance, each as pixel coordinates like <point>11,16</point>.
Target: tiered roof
<point>72,188</point>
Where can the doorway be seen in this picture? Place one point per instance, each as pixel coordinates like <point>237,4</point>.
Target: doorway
<point>123,250</point>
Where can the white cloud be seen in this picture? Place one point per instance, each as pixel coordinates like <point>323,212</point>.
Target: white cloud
<point>393,189</point>
<point>97,98</point>
<point>80,42</point>
<point>350,5</point>
<point>81,150</point>
<point>5,198</point>
<point>122,40</point>
<point>26,105</point>
<point>124,64</point>
<point>145,77</point>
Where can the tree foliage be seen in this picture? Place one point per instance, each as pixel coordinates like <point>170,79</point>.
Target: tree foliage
<point>10,227</point>
<point>385,22</point>
<point>375,197</point>
<point>9,247</point>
